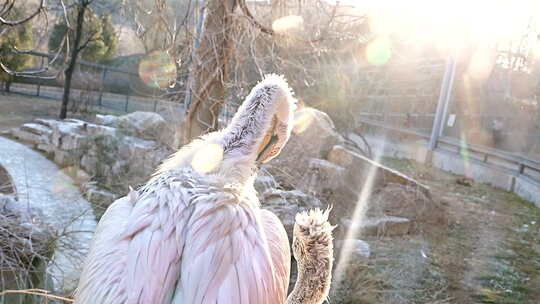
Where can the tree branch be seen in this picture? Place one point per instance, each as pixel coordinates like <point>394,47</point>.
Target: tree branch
<point>4,21</point>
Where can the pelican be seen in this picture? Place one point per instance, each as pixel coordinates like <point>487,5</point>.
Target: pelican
<point>195,233</point>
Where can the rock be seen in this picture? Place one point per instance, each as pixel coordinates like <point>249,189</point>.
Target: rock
<point>286,204</point>
<point>146,125</point>
<point>358,248</point>
<point>359,168</point>
<point>66,158</point>
<point>406,201</point>
<point>107,120</point>
<point>72,141</point>
<point>101,197</point>
<point>69,131</point>
<point>313,136</point>
<point>78,175</point>
<point>37,129</point>
<point>28,137</point>
<point>383,226</point>
<point>264,183</point>
<point>327,181</point>
<point>322,175</point>
<point>89,163</point>
<point>46,122</point>
<point>47,148</point>
<point>94,130</point>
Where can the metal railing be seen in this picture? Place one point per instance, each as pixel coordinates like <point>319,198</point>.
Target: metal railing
<point>515,164</point>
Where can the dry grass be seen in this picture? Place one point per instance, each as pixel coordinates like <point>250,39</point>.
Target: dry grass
<point>36,292</point>
<point>25,242</point>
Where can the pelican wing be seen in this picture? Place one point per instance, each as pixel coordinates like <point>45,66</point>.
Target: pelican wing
<point>136,250</point>
<point>280,250</point>
<point>228,259</point>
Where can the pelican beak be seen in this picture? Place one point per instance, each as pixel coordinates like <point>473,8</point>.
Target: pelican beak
<point>267,149</point>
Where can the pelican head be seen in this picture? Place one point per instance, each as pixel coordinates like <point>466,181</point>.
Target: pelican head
<point>263,123</point>
<point>257,133</point>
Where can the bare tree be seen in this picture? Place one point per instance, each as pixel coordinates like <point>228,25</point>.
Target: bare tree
<point>7,6</point>
<point>205,90</point>
<point>81,6</point>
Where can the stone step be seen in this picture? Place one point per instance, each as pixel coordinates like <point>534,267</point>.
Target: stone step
<point>381,226</point>
<point>36,128</point>
<point>28,136</point>
<point>358,248</point>
<point>46,122</point>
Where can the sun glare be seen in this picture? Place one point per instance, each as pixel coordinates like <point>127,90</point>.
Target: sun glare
<point>449,24</point>
<point>207,158</point>
<point>288,23</point>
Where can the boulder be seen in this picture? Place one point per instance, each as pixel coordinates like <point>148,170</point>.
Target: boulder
<point>67,134</point>
<point>28,137</point>
<point>102,198</point>
<point>286,204</point>
<point>359,168</point>
<point>328,182</point>
<point>264,183</point>
<point>322,176</point>
<point>106,120</point>
<point>36,128</point>
<point>146,125</point>
<point>94,130</point>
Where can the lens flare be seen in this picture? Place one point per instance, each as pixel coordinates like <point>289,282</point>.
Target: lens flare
<point>379,51</point>
<point>482,63</point>
<point>302,121</point>
<point>157,69</point>
<point>287,23</point>
<point>207,158</point>
<point>356,220</point>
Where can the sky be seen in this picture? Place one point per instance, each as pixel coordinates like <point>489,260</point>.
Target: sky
<point>477,20</point>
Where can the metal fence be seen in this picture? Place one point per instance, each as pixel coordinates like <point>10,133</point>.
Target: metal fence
<point>480,129</point>
<point>108,88</point>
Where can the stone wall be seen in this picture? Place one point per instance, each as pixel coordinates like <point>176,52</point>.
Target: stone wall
<point>105,157</point>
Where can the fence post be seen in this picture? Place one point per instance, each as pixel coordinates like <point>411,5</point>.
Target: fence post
<point>103,76</point>
<point>127,102</point>
<point>39,78</point>
<point>442,106</point>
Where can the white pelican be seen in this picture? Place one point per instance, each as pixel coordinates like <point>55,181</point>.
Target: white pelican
<point>195,233</point>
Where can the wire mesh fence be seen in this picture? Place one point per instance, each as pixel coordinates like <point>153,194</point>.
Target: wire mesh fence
<point>498,111</point>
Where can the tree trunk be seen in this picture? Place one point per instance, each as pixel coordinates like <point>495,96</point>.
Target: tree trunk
<point>208,71</point>
<point>68,72</point>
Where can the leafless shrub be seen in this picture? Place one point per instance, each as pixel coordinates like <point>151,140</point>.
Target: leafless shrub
<point>26,245</point>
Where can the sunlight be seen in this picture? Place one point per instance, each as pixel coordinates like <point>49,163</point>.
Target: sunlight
<point>448,25</point>
<point>357,218</point>
<point>287,23</point>
<point>302,120</point>
<point>379,51</point>
<point>207,158</point>
<point>481,63</point>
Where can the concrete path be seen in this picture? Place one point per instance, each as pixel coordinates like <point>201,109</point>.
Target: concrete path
<point>40,184</point>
